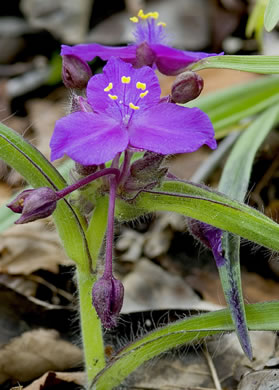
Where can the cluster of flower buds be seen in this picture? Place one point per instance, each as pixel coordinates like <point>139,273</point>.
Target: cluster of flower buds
<point>146,172</point>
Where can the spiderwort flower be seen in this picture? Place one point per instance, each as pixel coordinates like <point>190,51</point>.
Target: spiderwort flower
<point>150,48</point>
<point>126,114</point>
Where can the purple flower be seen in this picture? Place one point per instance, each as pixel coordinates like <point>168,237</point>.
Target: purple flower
<point>150,48</point>
<point>127,113</point>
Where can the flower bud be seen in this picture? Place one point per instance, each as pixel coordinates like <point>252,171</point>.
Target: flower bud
<point>144,56</point>
<point>107,298</point>
<point>187,86</point>
<point>147,165</point>
<point>75,72</point>
<point>34,204</point>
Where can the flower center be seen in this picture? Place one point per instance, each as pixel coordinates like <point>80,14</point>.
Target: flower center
<point>128,98</point>
<point>147,30</point>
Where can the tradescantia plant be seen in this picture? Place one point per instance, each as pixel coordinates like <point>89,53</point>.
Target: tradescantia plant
<point>118,134</point>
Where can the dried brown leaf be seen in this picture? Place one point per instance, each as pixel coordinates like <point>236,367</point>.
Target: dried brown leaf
<point>35,352</point>
<point>50,379</point>
<point>27,248</point>
<point>260,380</point>
<point>150,287</point>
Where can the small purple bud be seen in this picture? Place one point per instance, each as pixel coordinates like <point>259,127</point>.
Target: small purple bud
<point>75,72</point>
<point>107,298</point>
<point>187,86</point>
<point>144,56</point>
<point>34,204</point>
<point>17,204</point>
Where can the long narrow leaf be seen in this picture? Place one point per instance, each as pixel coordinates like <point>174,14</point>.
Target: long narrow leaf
<point>234,183</point>
<point>207,206</point>
<point>255,63</point>
<point>271,16</point>
<point>259,317</point>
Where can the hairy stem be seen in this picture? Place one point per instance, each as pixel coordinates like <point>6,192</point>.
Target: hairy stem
<point>91,328</point>
<point>110,229</point>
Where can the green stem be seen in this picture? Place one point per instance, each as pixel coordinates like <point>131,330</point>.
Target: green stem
<point>97,229</point>
<point>91,328</point>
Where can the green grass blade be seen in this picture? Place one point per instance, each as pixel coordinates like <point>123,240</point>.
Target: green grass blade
<point>254,63</point>
<point>234,183</point>
<point>262,316</point>
<point>271,16</point>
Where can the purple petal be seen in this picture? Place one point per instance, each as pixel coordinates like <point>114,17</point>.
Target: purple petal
<point>168,129</point>
<point>171,61</point>
<point>88,52</point>
<point>126,93</point>
<point>88,138</point>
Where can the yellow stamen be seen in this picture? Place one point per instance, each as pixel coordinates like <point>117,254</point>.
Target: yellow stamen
<point>140,85</point>
<point>154,15</point>
<point>109,87</point>
<point>112,97</point>
<point>134,19</point>
<point>143,94</point>
<point>131,105</point>
<point>21,202</point>
<point>143,16</point>
<point>162,24</point>
<point>126,80</point>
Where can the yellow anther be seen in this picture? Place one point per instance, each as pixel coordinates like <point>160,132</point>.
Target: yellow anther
<point>126,80</point>
<point>134,19</point>
<point>141,86</point>
<point>112,97</point>
<point>162,24</point>
<point>142,15</point>
<point>154,15</point>
<point>143,94</point>
<point>109,87</point>
<point>21,202</point>
<point>131,105</point>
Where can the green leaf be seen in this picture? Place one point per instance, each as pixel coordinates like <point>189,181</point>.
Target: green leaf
<point>271,16</point>
<point>35,168</point>
<point>207,206</point>
<point>230,105</point>
<point>261,316</point>
<point>255,63</point>
<point>234,183</point>
<point>256,20</point>
<point>236,174</point>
